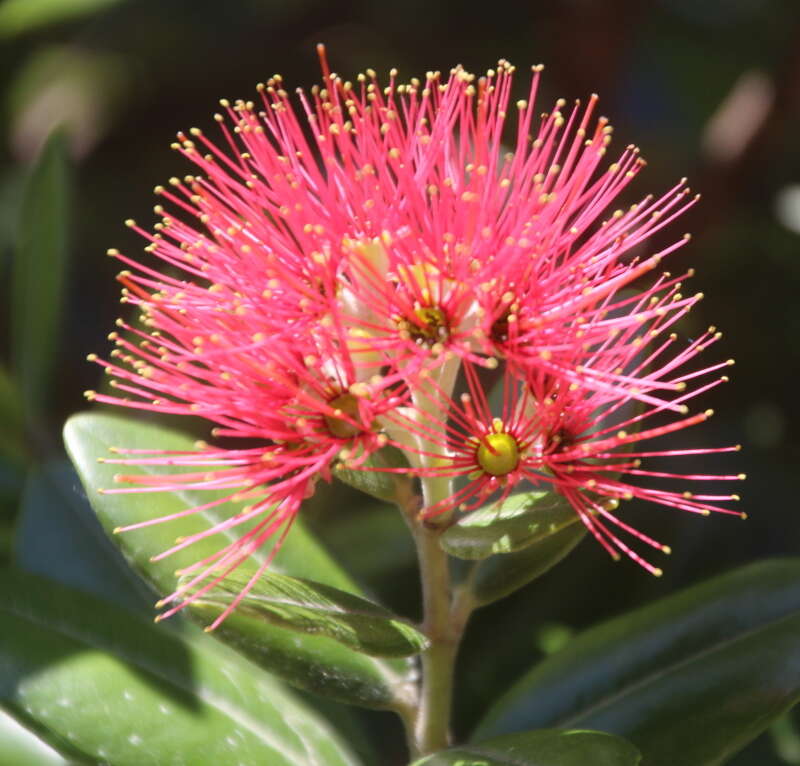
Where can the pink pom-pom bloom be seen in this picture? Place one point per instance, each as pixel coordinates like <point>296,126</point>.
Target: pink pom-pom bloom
<point>331,272</point>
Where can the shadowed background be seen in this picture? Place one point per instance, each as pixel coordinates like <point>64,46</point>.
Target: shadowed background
<point>708,90</point>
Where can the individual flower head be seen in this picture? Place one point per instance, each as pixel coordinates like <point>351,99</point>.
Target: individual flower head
<point>586,442</point>
<point>300,394</point>
<point>462,437</point>
<point>593,441</point>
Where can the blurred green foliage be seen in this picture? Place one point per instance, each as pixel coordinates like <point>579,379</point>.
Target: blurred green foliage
<point>21,16</point>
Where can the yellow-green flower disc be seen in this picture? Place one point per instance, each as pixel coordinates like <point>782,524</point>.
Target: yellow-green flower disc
<point>498,454</point>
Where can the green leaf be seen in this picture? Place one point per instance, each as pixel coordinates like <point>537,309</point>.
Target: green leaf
<point>121,690</point>
<point>514,542</point>
<point>312,607</point>
<point>75,551</point>
<point>38,272</point>
<point>381,484</point>
<point>314,663</point>
<point>518,522</point>
<point>690,679</point>
<point>19,16</point>
<point>21,747</point>
<point>90,436</point>
<point>318,664</point>
<point>494,578</point>
<point>540,748</point>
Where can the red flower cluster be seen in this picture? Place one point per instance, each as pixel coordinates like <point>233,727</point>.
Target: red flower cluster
<point>334,275</point>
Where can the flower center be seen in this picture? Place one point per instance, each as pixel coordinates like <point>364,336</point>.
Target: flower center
<point>507,315</point>
<point>498,454</point>
<point>557,441</point>
<point>344,405</point>
<point>501,328</point>
<point>430,327</point>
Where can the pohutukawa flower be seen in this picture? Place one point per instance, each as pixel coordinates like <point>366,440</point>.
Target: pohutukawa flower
<point>592,442</point>
<point>463,438</point>
<point>332,267</point>
<point>583,442</point>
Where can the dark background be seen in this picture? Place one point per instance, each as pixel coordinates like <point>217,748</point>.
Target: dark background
<point>710,90</point>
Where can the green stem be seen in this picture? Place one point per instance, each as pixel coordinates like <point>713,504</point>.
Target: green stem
<point>443,625</point>
<point>432,730</point>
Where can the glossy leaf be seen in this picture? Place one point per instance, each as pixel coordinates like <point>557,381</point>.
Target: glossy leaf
<point>514,542</point>
<point>89,437</point>
<point>314,663</point>
<point>540,748</point>
<point>21,747</point>
<point>690,679</point>
<point>497,576</point>
<point>76,551</point>
<point>38,272</point>
<point>124,691</point>
<point>521,520</point>
<point>315,608</point>
<point>383,485</point>
<point>317,663</point>
<point>58,536</point>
